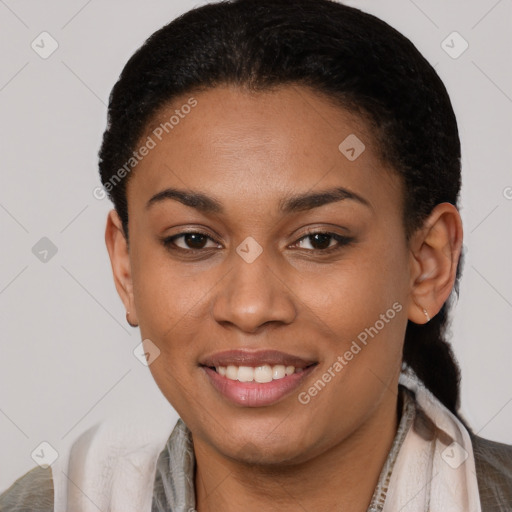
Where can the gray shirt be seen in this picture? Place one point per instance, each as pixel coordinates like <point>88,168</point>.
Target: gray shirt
<point>174,479</point>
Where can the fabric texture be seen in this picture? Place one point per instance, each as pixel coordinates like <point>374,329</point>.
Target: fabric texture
<point>434,465</point>
<point>494,472</point>
<point>31,492</point>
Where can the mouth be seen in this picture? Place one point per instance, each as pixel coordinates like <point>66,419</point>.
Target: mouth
<point>255,379</point>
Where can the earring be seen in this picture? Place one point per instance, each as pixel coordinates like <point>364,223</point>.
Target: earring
<point>426,314</point>
<point>128,320</point>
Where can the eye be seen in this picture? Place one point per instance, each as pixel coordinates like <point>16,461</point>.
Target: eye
<point>192,240</point>
<point>320,241</point>
<point>196,241</point>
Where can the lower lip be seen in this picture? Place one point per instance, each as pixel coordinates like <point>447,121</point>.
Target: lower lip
<point>255,394</point>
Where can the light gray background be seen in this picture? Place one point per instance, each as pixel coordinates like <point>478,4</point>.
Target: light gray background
<point>66,359</point>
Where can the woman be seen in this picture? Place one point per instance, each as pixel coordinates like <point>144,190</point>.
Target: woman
<point>286,235</point>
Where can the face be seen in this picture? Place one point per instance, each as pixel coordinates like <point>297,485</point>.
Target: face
<point>294,255</point>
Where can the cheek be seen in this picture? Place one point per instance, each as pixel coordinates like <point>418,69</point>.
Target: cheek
<point>358,288</point>
<point>381,270</point>
<point>163,292</point>
<point>168,304</point>
<point>361,321</point>
<point>360,306</point>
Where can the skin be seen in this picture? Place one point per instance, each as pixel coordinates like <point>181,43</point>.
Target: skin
<point>250,151</point>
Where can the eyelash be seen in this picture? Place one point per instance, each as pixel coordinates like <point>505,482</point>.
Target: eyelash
<point>341,240</point>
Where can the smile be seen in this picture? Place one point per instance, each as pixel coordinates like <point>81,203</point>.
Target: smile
<point>255,379</point>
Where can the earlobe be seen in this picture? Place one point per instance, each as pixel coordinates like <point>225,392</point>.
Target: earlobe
<point>435,251</point>
<point>118,251</point>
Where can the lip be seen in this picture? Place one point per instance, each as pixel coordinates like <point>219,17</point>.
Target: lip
<point>255,358</point>
<point>256,394</point>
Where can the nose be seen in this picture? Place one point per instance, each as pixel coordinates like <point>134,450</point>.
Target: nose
<point>254,294</point>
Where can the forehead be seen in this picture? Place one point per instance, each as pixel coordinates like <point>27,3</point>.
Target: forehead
<point>261,146</point>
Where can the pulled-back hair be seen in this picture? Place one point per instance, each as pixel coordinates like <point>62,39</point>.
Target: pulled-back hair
<point>355,59</point>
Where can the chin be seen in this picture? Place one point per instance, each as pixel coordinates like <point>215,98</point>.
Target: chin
<point>264,455</point>
<point>260,448</point>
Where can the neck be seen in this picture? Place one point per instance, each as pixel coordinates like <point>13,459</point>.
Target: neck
<point>341,478</point>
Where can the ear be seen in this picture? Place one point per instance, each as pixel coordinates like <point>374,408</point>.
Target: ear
<point>434,254</point>
<point>118,251</point>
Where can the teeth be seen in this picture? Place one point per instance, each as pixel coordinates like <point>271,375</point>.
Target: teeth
<point>262,374</point>
<point>245,374</point>
<point>278,371</point>
<point>232,372</point>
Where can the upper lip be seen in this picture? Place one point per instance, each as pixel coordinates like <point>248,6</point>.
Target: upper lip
<point>255,358</point>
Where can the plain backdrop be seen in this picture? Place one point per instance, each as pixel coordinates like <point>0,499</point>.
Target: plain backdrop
<point>66,350</point>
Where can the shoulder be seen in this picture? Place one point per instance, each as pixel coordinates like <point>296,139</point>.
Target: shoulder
<point>493,463</point>
<point>32,491</point>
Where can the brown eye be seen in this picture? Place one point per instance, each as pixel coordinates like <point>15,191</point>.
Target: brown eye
<point>191,241</point>
<point>321,241</point>
<point>195,240</point>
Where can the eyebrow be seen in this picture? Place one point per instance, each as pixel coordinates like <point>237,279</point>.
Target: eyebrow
<point>294,203</point>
